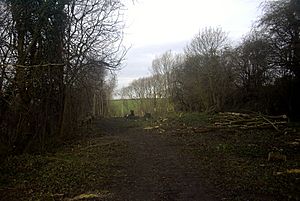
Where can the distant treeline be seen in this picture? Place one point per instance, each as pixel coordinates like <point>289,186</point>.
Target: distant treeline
<point>261,73</point>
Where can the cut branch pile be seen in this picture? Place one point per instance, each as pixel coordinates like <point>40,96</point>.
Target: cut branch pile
<point>250,121</point>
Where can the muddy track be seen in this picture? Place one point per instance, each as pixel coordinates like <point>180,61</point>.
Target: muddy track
<point>156,169</point>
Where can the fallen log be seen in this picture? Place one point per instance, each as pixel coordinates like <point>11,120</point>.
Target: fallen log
<point>249,121</point>
<point>274,126</point>
<point>236,114</point>
<point>277,117</point>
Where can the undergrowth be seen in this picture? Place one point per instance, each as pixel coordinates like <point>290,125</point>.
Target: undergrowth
<point>235,161</point>
<point>73,170</point>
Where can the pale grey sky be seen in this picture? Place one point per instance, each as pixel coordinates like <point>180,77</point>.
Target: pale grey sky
<point>156,26</point>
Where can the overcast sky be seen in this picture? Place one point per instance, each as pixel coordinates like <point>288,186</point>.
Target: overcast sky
<point>156,26</point>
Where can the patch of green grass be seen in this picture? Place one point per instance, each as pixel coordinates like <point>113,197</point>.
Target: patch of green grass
<point>122,107</point>
<point>119,108</point>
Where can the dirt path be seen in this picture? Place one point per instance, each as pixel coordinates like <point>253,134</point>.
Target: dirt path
<point>117,160</point>
<point>156,169</point>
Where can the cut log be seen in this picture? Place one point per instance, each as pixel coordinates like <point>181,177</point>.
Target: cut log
<point>278,117</point>
<point>275,127</point>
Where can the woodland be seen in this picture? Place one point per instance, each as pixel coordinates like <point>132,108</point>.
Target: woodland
<point>56,58</point>
<point>215,74</point>
<point>219,121</point>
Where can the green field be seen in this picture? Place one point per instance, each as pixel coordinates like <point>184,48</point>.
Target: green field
<point>121,107</point>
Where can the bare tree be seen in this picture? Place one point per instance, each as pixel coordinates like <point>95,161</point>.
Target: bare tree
<point>208,42</point>
<point>252,62</point>
<point>54,58</point>
<point>281,22</point>
<point>203,65</point>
